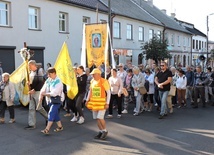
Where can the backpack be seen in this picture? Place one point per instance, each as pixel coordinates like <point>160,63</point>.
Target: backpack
<point>146,85</point>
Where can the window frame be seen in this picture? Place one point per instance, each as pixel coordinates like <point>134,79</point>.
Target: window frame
<point>141,33</point>
<point>7,14</point>
<point>65,20</point>
<point>151,35</point>
<point>36,16</point>
<point>117,30</point>
<point>129,32</point>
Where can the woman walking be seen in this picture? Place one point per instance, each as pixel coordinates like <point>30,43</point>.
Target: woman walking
<point>7,95</point>
<point>53,90</point>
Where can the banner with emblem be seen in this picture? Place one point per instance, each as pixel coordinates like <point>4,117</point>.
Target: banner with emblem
<point>96,40</point>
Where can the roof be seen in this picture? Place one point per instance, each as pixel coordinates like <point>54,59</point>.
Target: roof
<point>129,9</point>
<point>92,4</point>
<point>195,31</point>
<point>162,17</point>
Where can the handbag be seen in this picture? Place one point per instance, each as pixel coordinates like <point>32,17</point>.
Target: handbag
<point>172,91</point>
<point>142,90</point>
<point>55,99</point>
<point>125,92</point>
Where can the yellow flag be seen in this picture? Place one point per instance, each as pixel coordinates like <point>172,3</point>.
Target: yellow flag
<point>65,71</point>
<point>18,77</point>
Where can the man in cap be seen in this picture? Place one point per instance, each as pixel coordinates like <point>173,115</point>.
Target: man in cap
<point>98,101</point>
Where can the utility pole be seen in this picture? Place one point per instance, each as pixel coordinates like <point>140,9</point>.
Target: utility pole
<point>208,35</point>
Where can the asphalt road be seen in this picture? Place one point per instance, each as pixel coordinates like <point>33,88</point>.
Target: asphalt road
<point>185,132</point>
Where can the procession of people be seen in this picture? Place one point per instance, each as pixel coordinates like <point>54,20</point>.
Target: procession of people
<point>168,88</point>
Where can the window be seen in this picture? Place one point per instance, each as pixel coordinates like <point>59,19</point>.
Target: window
<point>151,34</point>
<point>202,43</point>
<point>129,31</point>
<point>178,39</point>
<point>141,33</point>
<point>63,20</point>
<point>184,41</point>
<point>188,42</point>
<point>116,30</point>
<point>199,45</point>
<point>193,44</point>
<point>159,34</point>
<point>33,14</point>
<point>172,39</point>
<point>86,20</point>
<point>4,14</point>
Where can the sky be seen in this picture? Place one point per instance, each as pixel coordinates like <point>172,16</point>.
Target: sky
<point>191,11</point>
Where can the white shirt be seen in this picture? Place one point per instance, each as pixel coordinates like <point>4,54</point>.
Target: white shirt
<point>181,82</point>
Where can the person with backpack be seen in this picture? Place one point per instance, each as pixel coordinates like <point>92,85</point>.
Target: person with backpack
<point>181,83</point>
<point>199,89</point>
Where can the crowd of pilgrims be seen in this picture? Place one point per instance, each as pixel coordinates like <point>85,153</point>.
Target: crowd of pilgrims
<point>192,84</point>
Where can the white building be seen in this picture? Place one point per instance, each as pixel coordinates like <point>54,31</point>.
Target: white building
<point>45,24</point>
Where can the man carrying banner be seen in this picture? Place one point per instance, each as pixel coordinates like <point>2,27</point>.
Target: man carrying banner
<point>36,82</point>
<point>98,101</point>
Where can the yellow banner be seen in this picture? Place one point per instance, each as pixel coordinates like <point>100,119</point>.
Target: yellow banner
<point>19,78</point>
<point>65,71</point>
<point>96,37</point>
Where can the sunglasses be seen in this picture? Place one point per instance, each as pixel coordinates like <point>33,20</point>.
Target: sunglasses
<point>162,65</point>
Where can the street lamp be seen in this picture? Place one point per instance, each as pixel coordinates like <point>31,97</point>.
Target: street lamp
<point>208,34</point>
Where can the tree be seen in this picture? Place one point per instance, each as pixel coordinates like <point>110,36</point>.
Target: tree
<point>156,49</point>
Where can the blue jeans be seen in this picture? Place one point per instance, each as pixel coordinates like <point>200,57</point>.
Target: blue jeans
<point>163,96</point>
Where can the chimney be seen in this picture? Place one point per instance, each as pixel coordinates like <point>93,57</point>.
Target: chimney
<point>164,11</point>
<point>173,15</point>
<point>150,2</point>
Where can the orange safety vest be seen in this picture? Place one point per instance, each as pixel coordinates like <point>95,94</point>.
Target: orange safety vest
<point>97,97</point>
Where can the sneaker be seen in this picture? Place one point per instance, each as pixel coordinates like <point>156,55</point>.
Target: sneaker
<point>135,110</point>
<point>98,135</point>
<point>136,114</point>
<point>74,119</point>
<point>30,127</point>
<point>67,115</point>
<point>81,120</point>
<point>109,116</point>
<point>156,104</point>
<point>124,111</point>
<point>118,116</point>
<point>12,121</point>
<point>104,135</point>
<point>161,116</point>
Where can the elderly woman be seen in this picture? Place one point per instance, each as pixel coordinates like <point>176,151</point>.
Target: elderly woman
<point>138,81</point>
<point>53,88</point>
<point>116,85</point>
<point>7,94</point>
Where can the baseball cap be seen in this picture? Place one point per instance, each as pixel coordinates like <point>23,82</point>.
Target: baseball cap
<point>96,71</point>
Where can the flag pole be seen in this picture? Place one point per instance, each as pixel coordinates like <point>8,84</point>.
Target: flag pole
<point>97,12</point>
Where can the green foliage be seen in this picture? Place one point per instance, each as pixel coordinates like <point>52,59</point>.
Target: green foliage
<point>156,49</point>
